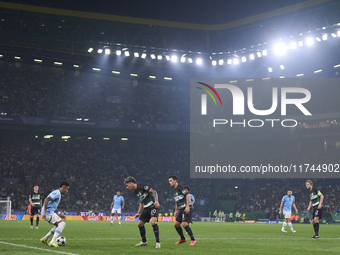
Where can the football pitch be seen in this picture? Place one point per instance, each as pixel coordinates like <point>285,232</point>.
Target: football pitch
<point>98,237</point>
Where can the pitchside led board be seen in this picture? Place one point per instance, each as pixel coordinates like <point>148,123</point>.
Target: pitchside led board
<point>264,128</point>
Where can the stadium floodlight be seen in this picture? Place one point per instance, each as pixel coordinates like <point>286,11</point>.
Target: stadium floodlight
<point>293,45</point>
<point>281,77</point>
<point>251,56</point>
<point>79,119</point>
<point>58,63</point>
<point>258,54</point>
<point>337,66</point>
<point>236,61</point>
<point>282,67</point>
<point>333,35</point>
<point>338,33</point>
<point>280,49</point>
<point>221,62</point>
<point>159,57</point>
<point>18,58</point>
<point>115,72</point>
<point>270,69</point>
<point>126,53</point>
<point>136,54</point>
<point>309,41</point>
<point>38,60</point>
<point>124,139</point>
<point>153,56</point>
<point>90,50</point>
<point>318,39</point>
<point>96,69</point>
<point>214,62</point>
<point>249,79</point>
<point>174,58</point>
<point>89,138</point>
<point>300,75</point>
<point>143,55</point>
<point>106,138</point>
<point>190,60</point>
<point>167,57</point>
<point>167,78</point>
<point>229,61</point>
<point>199,61</point>
<point>76,66</point>
<point>300,43</point>
<point>318,71</point>
<point>182,59</point>
<point>152,77</point>
<point>118,52</point>
<point>324,37</point>
<point>133,74</point>
<point>244,59</point>
<point>107,51</point>
<point>1,56</point>
<point>264,53</point>
<point>100,51</point>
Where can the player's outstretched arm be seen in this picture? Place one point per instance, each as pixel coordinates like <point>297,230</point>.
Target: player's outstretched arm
<point>140,209</point>
<point>155,195</point>
<point>45,207</point>
<point>281,206</point>
<point>310,205</point>
<point>321,201</point>
<point>296,210</point>
<point>113,202</point>
<point>122,204</point>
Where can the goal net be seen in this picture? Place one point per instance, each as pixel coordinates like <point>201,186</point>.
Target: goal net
<point>6,207</point>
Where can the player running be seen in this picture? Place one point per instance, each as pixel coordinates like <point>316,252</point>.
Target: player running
<point>117,206</point>
<point>287,202</point>
<point>148,208</point>
<point>35,200</point>
<point>49,213</point>
<point>316,200</point>
<point>182,210</point>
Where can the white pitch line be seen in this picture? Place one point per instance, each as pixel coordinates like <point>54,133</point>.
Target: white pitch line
<point>36,248</point>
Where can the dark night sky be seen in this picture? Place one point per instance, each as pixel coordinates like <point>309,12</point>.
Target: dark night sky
<point>192,11</point>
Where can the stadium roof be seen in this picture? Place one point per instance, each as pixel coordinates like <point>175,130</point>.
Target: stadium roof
<point>203,27</point>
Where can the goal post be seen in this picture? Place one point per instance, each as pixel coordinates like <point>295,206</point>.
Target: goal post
<point>6,206</point>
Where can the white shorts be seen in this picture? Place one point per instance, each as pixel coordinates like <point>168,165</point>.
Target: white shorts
<point>116,210</point>
<point>53,218</point>
<point>287,214</point>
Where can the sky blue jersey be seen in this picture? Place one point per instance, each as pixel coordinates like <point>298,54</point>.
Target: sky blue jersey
<point>118,202</point>
<point>288,202</point>
<point>52,205</point>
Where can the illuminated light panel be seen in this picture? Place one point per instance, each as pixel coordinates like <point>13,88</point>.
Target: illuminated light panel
<point>136,54</point>
<point>38,60</point>
<point>324,37</point>
<point>318,39</point>
<point>107,51</point>
<point>229,61</point>
<point>115,72</point>
<point>221,62</point>
<point>264,53</point>
<point>167,57</point>
<point>249,79</point>
<point>251,56</point>
<point>270,69</point>
<point>58,63</point>
<point>199,61</point>
<point>236,61</point>
<point>318,71</point>
<point>153,56</point>
<point>90,50</point>
<point>309,41</point>
<point>282,67</point>
<point>152,77</point>
<point>124,139</point>
<point>280,49</point>
<point>258,54</point>
<point>182,60</point>
<point>300,75</point>
<point>96,69</point>
<point>174,59</point>
<point>190,60</point>
<point>293,45</point>
<point>133,74</point>
<point>118,52</point>
<point>300,43</point>
<point>167,78</point>
<point>106,139</point>
<point>159,57</point>
<point>126,53</point>
<point>214,62</point>
<point>18,58</point>
<point>76,66</point>
<point>244,59</point>
<point>143,55</point>
<point>100,51</point>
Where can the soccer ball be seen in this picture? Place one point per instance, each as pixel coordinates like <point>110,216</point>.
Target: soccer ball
<point>61,240</point>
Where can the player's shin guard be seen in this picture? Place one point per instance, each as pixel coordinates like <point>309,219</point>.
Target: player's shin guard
<point>316,228</point>
<point>119,219</point>
<point>189,231</point>
<point>290,225</point>
<point>180,232</point>
<point>50,233</point>
<point>58,231</point>
<point>111,219</point>
<point>37,223</point>
<point>156,231</point>
<point>142,233</point>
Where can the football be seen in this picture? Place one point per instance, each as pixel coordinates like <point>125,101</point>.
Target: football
<point>61,240</point>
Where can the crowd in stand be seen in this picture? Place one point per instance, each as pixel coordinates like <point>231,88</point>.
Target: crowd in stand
<point>95,171</point>
<point>40,91</point>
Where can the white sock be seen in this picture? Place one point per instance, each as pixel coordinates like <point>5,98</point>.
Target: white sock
<point>119,218</point>
<point>50,233</point>
<point>111,219</point>
<point>290,225</point>
<point>58,231</point>
<point>284,225</point>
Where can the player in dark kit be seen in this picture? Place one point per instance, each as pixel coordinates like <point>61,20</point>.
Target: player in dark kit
<point>148,208</point>
<point>182,210</point>
<point>35,200</point>
<point>316,200</point>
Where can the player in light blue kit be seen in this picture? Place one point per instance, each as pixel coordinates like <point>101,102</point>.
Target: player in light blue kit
<point>192,201</point>
<point>117,206</point>
<point>49,213</point>
<point>287,202</point>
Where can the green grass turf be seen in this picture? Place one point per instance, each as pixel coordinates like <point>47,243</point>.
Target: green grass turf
<point>86,237</point>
